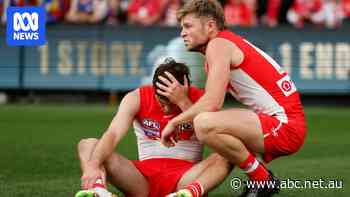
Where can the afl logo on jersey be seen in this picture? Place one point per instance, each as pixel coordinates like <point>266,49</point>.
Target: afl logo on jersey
<point>151,124</point>
<point>286,85</point>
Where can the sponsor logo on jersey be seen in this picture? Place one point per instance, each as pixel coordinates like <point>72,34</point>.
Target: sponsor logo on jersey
<point>151,134</point>
<point>286,85</point>
<point>151,124</point>
<point>151,128</point>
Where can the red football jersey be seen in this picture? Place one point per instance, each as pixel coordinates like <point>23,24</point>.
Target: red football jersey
<point>151,120</point>
<point>261,84</point>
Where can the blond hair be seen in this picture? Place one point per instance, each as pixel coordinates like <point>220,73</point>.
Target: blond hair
<point>204,8</point>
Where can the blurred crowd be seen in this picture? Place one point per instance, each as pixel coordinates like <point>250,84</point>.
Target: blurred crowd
<point>246,13</point>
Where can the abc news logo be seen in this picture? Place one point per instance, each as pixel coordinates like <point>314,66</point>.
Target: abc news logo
<point>26,26</point>
<point>29,29</point>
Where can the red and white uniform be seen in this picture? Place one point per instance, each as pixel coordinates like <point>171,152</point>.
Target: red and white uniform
<point>150,121</point>
<point>163,167</point>
<point>261,84</point>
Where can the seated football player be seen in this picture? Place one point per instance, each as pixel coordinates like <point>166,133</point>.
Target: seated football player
<point>159,170</point>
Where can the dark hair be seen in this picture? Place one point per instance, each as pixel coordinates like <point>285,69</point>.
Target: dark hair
<point>177,69</point>
<point>204,8</point>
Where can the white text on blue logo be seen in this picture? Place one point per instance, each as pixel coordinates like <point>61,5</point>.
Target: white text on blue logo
<point>28,28</point>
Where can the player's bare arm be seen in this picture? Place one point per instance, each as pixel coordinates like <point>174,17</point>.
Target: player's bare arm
<point>117,129</point>
<point>220,54</point>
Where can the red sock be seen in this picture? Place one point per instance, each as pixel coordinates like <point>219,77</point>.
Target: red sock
<point>254,169</point>
<point>98,183</point>
<point>196,189</point>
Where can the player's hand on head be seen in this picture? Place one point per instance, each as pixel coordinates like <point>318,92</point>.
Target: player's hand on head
<point>172,89</point>
<point>168,137</point>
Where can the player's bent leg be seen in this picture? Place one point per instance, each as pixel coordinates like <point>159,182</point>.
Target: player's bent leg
<point>125,176</point>
<point>240,123</point>
<point>235,134</point>
<point>210,172</point>
<point>120,171</point>
<point>231,133</point>
<point>203,177</point>
<point>85,148</point>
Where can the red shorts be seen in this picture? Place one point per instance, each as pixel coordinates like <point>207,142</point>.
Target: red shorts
<point>162,174</point>
<point>279,138</point>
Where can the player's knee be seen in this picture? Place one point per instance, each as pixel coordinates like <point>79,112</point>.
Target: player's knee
<point>87,142</point>
<point>202,125</point>
<point>201,121</point>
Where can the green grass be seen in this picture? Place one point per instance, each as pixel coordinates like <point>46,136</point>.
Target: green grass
<point>38,145</point>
